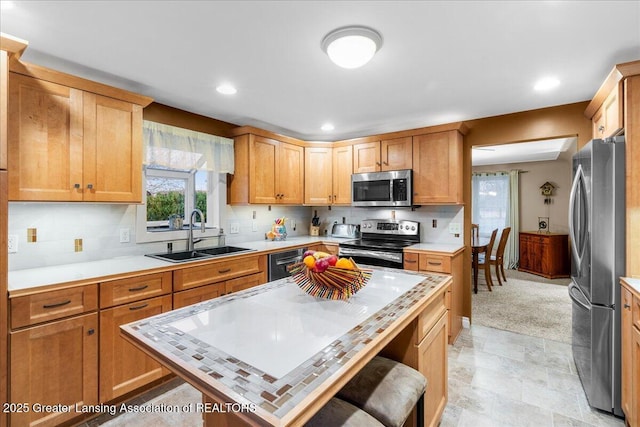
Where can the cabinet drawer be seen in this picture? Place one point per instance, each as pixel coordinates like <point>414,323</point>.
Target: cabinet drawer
<point>242,283</point>
<point>411,261</point>
<point>38,308</point>
<point>635,308</point>
<point>435,263</point>
<point>194,296</point>
<point>192,277</point>
<point>430,316</point>
<point>133,289</point>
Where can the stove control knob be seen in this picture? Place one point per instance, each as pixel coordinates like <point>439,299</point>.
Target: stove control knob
<point>413,228</point>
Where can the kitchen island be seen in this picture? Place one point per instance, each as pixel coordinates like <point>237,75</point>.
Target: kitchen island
<point>273,355</point>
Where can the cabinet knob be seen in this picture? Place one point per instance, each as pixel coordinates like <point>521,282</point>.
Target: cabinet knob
<point>76,186</point>
<point>385,163</point>
<point>91,331</point>
<point>378,163</point>
<point>90,186</point>
<point>601,128</point>
<point>627,306</point>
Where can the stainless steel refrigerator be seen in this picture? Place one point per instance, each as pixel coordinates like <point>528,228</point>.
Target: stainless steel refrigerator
<point>597,235</point>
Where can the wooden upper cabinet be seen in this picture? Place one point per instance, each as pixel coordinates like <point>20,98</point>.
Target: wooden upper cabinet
<point>342,170</point>
<point>45,139</point>
<point>112,150</point>
<point>267,171</point>
<point>318,178</point>
<point>396,154</point>
<point>4,103</point>
<point>385,155</point>
<point>437,168</point>
<point>327,178</point>
<point>608,119</point>
<point>366,157</point>
<point>65,144</point>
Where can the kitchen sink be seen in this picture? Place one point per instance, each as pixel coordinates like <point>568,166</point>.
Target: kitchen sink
<point>203,253</point>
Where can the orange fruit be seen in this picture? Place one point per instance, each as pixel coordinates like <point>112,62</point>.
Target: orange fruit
<point>309,261</point>
<point>344,263</point>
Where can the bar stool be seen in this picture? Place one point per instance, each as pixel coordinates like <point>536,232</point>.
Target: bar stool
<point>340,413</point>
<point>387,390</point>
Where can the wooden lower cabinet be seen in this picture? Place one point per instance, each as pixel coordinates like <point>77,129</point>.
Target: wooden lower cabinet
<point>635,377</point>
<point>432,363</point>
<point>54,364</point>
<point>124,368</point>
<point>545,254</point>
<point>630,331</point>
<point>194,296</point>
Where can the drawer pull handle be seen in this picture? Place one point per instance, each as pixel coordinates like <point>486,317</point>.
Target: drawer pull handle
<point>59,304</point>
<point>434,263</point>
<point>224,271</point>
<point>138,307</point>
<point>139,288</point>
<point>627,306</point>
<point>410,261</point>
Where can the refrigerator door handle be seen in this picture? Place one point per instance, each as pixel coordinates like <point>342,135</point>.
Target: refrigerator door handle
<point>578,179</point>
<point>577,295</point>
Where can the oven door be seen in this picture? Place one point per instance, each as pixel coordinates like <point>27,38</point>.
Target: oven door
<point>380,258</point>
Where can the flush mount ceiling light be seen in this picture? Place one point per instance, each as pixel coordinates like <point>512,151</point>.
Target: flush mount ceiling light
<point>327,127</point>
<point>352,47</point>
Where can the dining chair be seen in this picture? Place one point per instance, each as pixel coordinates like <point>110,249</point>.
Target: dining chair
<point>475,231</point>
<point>484,259</point>
<point>497,260</point>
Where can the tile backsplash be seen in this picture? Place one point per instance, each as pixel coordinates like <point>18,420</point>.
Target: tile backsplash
<point>58,225</point>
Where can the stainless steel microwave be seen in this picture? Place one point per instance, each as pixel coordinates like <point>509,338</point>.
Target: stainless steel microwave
<point>390,188</point>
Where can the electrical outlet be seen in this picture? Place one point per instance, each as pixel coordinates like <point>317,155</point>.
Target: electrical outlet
<point>254,225</point>
<point>125,236</point>
<point>454,228</point>
<point>13,243</point>
<point>234,228</point>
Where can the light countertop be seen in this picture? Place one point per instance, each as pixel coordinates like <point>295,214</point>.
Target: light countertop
<point>633,283</point>
<point>273,345</point>
<point>53,275</point>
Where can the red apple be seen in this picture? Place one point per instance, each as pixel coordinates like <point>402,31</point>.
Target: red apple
<point>307,253</point>
<point>332,260</point>
<point>321,265</point>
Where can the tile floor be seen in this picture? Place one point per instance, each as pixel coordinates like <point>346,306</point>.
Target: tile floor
<point>496,378</point>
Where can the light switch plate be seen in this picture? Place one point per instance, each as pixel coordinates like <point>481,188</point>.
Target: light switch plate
<point>234,228</point>
<point>454,228</point>
<point>254,225</point>
<point>12,243</point>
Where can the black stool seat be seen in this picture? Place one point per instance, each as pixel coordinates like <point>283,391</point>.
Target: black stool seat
<point>387,390</point>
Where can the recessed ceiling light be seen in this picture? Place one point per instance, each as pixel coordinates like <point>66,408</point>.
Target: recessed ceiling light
<point>547,83</point>
<point>327,127</point>
<point>6,5</point>
<point>226,89</point>
<point>351,47</point>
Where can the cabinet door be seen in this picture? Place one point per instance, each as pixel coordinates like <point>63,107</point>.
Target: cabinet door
<point>194,296</point>
<point>432,363</point>
<point>342,170</point>
<point>608,120</point>
<point>123,367</point>
<point>366,157</point>
<point>627,354</point>
<point>56,363</point>
<point>525,252</point>
<point>290,173</point>
<point>262,170</point>
<point>635,377</point>
<point>318,188</point>
<point>112,150</point>
<point>4,103</point>
<point>44,140</point>
<point>437,168</point>
<point>396,154</point>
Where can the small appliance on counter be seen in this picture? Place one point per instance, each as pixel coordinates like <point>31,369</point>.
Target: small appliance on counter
<point>347,231</point>
<point>314,229</point>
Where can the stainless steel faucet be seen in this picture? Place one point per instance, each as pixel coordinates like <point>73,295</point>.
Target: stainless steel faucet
<point>191,243</point>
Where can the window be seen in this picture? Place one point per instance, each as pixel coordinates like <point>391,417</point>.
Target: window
<point>184,170</point>
<point>490,201</point>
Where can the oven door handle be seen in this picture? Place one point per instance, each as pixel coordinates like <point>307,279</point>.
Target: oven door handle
<point>389,256</point>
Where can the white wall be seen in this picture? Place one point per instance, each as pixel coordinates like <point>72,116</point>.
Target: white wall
<point>558,172</point>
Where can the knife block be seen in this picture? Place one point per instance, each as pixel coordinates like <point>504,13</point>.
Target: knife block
<point>314,230</point>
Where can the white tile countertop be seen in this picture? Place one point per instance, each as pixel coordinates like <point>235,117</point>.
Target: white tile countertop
<point>633,283</point>
<point>52,275</point>
<point>274,345</point>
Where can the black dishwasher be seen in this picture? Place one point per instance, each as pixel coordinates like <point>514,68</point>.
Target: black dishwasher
<point>279,261</point>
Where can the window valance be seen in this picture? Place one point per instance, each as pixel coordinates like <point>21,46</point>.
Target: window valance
<point>183,149</point>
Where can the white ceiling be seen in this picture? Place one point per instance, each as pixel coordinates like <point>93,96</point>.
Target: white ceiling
<point>441,61</point>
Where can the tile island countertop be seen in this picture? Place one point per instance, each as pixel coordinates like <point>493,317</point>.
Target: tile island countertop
<point>25,279</point>
<point>277,351</point>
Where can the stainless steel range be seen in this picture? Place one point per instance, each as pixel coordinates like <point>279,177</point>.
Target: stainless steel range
<point>382,242</point>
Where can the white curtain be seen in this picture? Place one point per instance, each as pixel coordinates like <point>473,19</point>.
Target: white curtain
<point>512,251</point>
<point>182,149</point>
